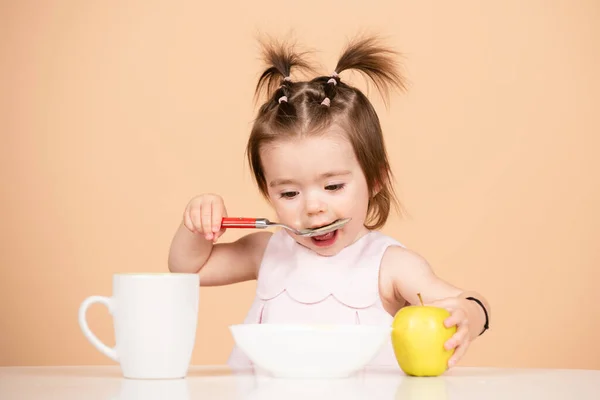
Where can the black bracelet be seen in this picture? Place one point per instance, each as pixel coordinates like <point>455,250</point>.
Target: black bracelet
<point>486,326</point>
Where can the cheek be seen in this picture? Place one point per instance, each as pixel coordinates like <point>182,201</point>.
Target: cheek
<point>346,203</point>
<point>356,196</point>
<point>355,204</point>
<point>287,211</point>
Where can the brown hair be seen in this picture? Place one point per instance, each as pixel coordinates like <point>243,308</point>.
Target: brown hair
<point>297,108</point>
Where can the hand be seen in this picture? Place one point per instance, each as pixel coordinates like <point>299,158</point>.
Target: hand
<point>203,215</point>
<point>460,311</point>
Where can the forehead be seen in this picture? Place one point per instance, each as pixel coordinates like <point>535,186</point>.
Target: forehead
<point>308,156</point>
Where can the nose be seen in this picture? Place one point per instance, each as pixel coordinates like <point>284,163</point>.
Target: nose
<point>315,206</point>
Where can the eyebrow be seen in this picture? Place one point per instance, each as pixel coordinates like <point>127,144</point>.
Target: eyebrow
<point>280,182</point>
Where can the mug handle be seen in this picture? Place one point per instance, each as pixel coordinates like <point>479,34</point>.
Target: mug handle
<point>104,349</point>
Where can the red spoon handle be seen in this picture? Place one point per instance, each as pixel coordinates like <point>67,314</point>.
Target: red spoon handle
<point>238,222</point>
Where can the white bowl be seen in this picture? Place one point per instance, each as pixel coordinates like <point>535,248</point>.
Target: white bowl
<point>310,351</point>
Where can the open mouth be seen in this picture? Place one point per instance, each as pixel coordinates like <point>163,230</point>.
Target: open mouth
<point>325,240</point>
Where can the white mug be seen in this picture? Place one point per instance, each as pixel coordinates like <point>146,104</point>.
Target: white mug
<point>155,318</point>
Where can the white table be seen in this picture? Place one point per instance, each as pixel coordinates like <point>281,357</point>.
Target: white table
<point>219,382</point>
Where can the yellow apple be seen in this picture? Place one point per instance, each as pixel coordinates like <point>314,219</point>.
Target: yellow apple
<point>418,338</point>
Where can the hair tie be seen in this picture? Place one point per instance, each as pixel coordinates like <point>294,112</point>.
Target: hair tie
<point>283,98</point>
<point>287,79</point>
<point>326,102</point>
<point>332,80</point>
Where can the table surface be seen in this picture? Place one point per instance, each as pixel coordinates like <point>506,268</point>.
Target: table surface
<point>219,382</point>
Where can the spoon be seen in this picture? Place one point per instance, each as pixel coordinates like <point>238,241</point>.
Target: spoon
<point>261,223</point>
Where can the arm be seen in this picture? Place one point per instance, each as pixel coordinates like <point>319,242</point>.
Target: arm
<point>407,274</point>
<point>217,264</point>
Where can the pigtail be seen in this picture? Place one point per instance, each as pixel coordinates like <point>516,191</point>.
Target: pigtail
<point>376,62</point>
<point>282,59</point>
<point>276,80</point>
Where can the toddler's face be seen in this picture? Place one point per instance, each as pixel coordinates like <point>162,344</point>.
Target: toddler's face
<point>314,181</point>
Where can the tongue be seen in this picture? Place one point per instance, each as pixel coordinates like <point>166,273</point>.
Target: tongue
<point>324,237</point>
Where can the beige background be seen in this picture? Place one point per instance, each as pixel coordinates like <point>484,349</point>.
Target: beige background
<point>114,114</point>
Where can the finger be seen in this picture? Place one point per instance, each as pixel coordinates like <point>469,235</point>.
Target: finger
<point>196,218</point>
<point>459,352</point>
<point>460,336</point>
<point>217,215</point>
<point>449,304</point>
<point>206,212</point>
<point>187,221</point>
<point>456,317</point>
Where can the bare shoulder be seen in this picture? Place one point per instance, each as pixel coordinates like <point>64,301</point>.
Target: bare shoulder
<point>400,266</point>
<point>407,274</point>
<point>398,259</point>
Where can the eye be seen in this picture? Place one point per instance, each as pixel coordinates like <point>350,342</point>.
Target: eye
<point>335,187</point>
<point>288,195</point>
